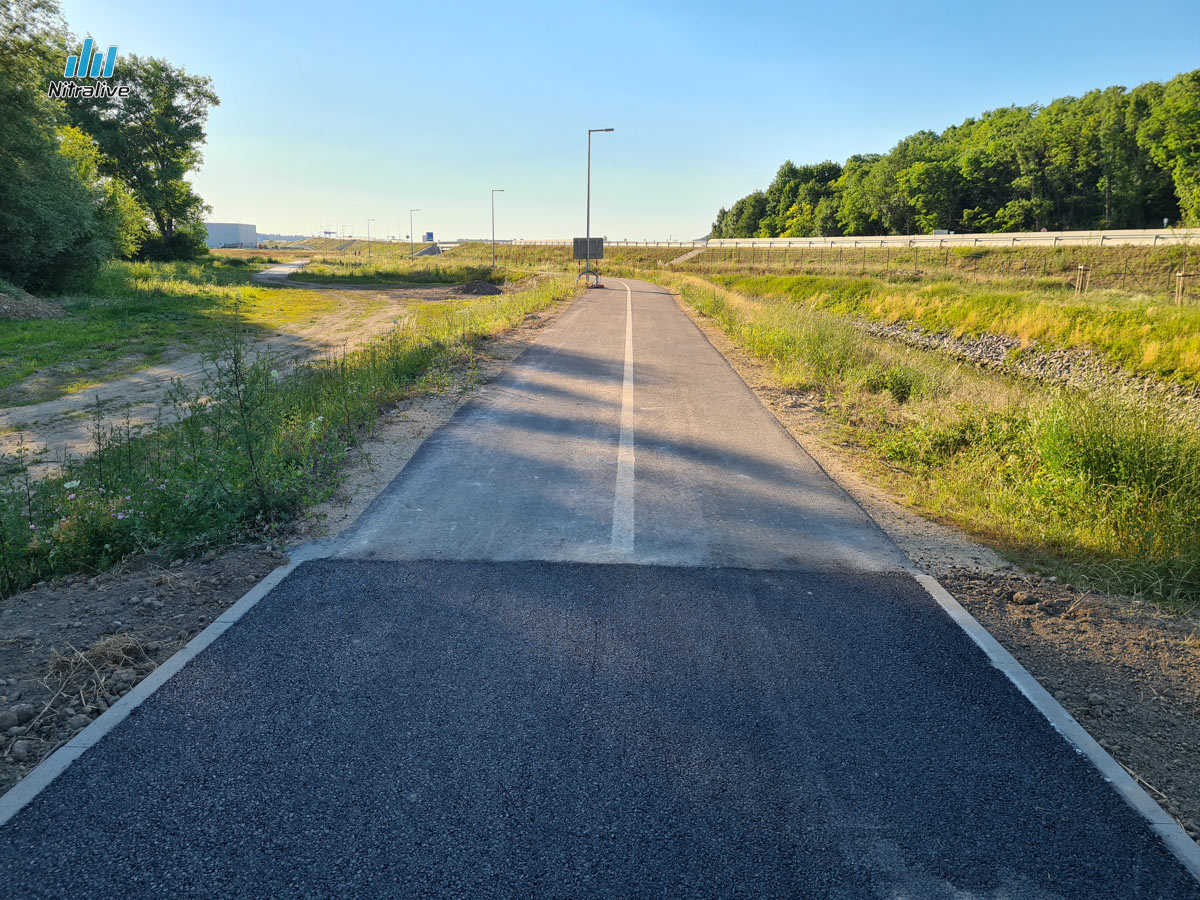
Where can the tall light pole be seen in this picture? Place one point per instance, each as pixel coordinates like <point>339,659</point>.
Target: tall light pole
<point>495,191</point>
<point>588,232</point>
<point>411,236</point>
<point>369,221</point>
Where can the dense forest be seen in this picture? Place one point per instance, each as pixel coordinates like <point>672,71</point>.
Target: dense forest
<point>1109,159</point>
<point>89,179</point>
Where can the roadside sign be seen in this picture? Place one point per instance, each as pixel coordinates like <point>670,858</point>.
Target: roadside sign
<point>596,248</point>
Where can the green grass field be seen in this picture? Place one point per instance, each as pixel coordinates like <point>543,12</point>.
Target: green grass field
<point>265,256</point>
<point>352,270</point>
<point>1140,333</point>
<point>354,247</point>
<point>1130,269</point>
<point>133,316</point>
<point>558,258</point>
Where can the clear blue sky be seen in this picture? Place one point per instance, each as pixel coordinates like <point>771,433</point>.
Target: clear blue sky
<point>334,112</point>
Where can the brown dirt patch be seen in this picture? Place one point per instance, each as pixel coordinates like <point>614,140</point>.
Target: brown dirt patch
<point>478,289</point>
<point>16,304</point>
<point>1129,673</point>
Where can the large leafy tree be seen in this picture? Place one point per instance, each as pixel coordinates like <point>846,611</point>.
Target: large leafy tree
<point>1171,134</point>
<point>59,219</point>
<point>1109,159</point>
<point>150,140</point>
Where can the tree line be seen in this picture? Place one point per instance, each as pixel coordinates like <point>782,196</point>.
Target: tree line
<point>85,179</point>
<point>1112,158</point>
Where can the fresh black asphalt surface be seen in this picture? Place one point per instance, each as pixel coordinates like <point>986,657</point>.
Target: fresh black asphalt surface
<point>694,714</point>
<point>447,729</point>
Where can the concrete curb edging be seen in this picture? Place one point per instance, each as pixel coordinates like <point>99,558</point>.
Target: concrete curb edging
<point>1177,840</point>
<point>24,791</point>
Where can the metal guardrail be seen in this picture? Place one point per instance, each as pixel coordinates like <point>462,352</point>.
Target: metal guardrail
<point>1140,237</point>
<point>1154,237</point>
<point>607,243</point>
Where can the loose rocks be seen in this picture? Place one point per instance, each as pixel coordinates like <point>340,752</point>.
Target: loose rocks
<point>478,289</point>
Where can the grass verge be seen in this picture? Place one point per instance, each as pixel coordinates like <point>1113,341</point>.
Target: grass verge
<point>238,455</point>
<point>1134,331</point>
<point>1094,488</point>
<point>1133,269</point>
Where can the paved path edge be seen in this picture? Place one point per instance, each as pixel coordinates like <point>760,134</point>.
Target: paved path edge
<point>25,790</point>
<point>1171,832</point>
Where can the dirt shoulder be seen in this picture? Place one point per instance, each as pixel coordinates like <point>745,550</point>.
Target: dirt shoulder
<point>1130,674</point>
<point>71,648</point>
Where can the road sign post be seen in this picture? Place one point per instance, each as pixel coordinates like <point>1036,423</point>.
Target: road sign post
<point>587,249</point>
<point>587,270</point>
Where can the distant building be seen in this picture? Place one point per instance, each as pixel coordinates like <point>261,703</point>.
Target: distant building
<point>231,234</point>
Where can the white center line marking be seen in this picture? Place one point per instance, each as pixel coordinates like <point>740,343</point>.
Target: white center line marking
<point>622,522</point>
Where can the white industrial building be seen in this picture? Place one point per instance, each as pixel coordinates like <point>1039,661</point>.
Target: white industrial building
<point>231,234</point>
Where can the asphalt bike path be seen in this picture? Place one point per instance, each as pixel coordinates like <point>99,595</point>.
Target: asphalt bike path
<point>611,633</point>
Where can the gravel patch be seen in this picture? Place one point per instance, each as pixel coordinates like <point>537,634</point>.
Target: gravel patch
<point>1073,367</point>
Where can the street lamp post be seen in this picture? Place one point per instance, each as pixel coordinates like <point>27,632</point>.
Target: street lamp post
<point>588,230</point>
<point>369,221</point>
<point>495,191</point>
<point>412,254</point>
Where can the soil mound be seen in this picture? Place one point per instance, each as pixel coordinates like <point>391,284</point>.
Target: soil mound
<point>478,289</point>
<point>16,304</point>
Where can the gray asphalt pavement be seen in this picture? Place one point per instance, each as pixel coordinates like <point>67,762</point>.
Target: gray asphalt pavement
<point>530,469</point>
<point>610,634</point>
